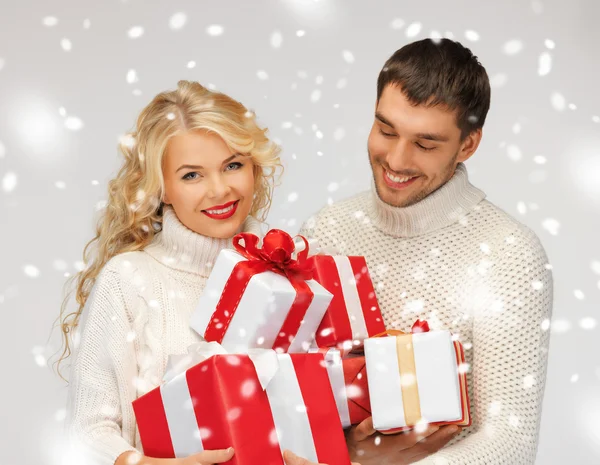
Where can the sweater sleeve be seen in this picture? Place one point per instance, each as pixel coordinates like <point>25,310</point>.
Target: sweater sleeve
<point>510,343</point>
<point>101,375</point>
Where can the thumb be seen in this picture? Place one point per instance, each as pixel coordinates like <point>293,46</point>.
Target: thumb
<point>209,457</point>
<point>363,430</point>
<point>292,459</point>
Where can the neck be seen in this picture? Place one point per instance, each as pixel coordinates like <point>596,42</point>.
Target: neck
<point>439,209</point>
<point>180,248</point>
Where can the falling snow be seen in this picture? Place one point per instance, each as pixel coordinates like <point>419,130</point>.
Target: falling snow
<point>135,32</point>
<point>512,47</point>
<point>276,39</point>
<point>177,21</point>
<point>9,181</point>
<point>413,29</point>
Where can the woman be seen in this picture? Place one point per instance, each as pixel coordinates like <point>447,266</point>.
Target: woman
<point>197,170</point>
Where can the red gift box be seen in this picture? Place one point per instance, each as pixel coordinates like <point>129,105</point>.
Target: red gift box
<point>348,378</point>
<point>221,403</point>
<point>353,314</point>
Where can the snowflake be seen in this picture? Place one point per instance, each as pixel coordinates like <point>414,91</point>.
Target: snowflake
<point>558,101</point>
<point>135,32</point>
<point>300,33</point>
<point>276,39</point>
<point>132,76</point>
<point>73,123</point>
<point>514,152</point>
<point>472,35</point>
<point>413,29</point>
<point>551,225</point>
<point>544,63</point>
<point>348,56</point>
<point>9,181</point>
<point>215,30</point>
<point>31,271</point>
<point>512,47</point>
<point>587,323</point>
<point>177,21</point>
<point>66,45</point>
<point>397,23</point>
<point>50,21</point>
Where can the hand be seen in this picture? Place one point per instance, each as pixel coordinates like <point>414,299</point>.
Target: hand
<point>373,448</point>
<point>292,459</point>
<point>207,457</point>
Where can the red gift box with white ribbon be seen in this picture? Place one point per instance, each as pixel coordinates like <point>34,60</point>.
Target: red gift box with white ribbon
<point>348,378</point>
<point>260,296</point>
<point>353,313</point>
<point>260,404</point>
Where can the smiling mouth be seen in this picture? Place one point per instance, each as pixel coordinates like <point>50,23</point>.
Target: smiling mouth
<point>398,182</point>
<point>222,212</point>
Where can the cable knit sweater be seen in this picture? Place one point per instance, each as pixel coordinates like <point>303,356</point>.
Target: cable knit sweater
<point>463,264</point>
<point>136,316</point>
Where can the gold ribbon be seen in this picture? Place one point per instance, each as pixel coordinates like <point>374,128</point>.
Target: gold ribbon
<point>408,375</point>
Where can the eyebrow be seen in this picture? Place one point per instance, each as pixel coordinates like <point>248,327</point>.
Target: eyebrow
<point>421,135</point>
<point>198,167</point>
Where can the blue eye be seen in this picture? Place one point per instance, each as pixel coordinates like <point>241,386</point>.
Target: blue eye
<point>190,176</point>
<point>236,165</point>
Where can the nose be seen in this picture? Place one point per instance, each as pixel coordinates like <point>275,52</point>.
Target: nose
<point>399,156</point>
<point>218,187</point>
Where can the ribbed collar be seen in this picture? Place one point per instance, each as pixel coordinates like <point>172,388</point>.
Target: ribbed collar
<point>438,210</point>
<point>180,248</point>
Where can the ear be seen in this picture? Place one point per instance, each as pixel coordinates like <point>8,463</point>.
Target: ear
<point>469,145</point>
<point>166,200</point>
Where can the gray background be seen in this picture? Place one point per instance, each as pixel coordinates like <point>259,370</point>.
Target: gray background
<point>67,93</point>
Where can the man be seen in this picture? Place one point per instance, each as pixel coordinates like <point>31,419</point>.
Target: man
<point>437,250</point>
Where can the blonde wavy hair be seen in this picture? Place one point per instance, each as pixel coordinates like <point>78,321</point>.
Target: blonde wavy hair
<point>133,212</point>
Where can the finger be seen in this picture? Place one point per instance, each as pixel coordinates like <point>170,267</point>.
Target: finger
<point>209,457</point>
<point>292,459</point>
<point>363,430</point>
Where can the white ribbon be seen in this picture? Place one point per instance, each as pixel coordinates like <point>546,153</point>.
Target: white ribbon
<point>265,361</point>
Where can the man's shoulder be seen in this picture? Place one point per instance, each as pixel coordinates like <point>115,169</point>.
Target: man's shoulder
<point>505,229</point>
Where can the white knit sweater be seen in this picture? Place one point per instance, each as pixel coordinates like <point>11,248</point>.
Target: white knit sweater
<point>463,264</point>
<point>136,316</point>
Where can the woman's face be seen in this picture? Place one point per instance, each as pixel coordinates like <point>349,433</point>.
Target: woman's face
<point>209,186</point>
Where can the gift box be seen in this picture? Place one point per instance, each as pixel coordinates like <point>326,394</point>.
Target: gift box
<point>416,378</point>
<point>353,314</point>
<point>259,403</point>
<point>348,378</point>
<point>261,297</point>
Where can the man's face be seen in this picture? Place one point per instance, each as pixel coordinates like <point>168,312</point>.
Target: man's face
<point>414,150</point>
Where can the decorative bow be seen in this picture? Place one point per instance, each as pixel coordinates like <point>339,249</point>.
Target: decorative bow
<point>276,252</point>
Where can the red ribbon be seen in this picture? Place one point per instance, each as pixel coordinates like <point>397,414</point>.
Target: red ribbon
<point>419,326</point>
<point>276,256</point>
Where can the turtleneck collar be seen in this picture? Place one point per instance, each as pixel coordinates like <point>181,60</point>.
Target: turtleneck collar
<point>438,210</point>
<point>180,248</point>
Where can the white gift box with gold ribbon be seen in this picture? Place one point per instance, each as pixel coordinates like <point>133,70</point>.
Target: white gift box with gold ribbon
<point>415,378</point>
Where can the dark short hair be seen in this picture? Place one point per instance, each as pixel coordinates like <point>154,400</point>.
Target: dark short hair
<point>435,72</point>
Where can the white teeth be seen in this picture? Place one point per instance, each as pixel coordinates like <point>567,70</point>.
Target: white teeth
<point>398,179</point>
<point>220,212</point>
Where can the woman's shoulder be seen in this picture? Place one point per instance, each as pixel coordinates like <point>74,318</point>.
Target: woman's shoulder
<point>128,265</point>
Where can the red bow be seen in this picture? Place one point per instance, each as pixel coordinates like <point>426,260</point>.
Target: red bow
<point>275,255</point>
<point>276,251</point>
